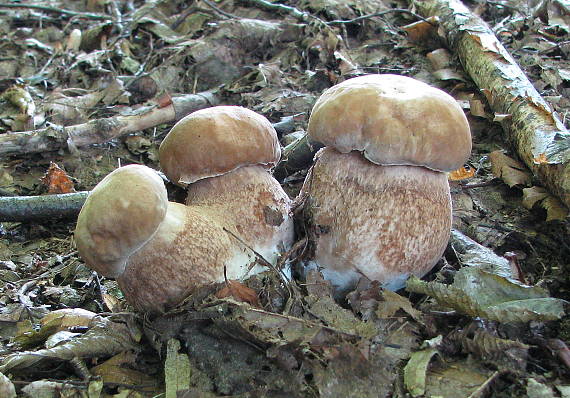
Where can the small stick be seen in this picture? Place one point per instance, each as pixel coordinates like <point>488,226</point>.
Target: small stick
<point>69,13</point>
<point>34,208</point>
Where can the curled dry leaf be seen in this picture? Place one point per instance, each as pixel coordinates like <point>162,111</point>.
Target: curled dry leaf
<point>483,294</point>
<point>540,197</point>
<point>104,338</point>
<point>239,292</point>
<point>439,59</point>
<point>511,171</point>
<point>177,369</point>
<point>462,173</point>
<point>117,369</point>
<point>18,96</point>
<point>56,180</point>
<point>415,371</point>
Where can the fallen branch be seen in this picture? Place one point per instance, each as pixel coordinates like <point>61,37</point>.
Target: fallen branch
<point>59,11</point>
<point>34,208</point>
<point>539,138</point>
<point>49,207</point>
<point>298,155</point>
<point>102,130</point>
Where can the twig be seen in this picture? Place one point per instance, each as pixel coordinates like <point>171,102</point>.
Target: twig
<point>102,130</point>
<point>70,13</point>
<point>31,208</point>
<point>295,12</point>
<point>378,14</point>
<point>49,207</point>
<point>219,10</point>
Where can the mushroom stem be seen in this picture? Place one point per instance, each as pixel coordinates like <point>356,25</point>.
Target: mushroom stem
<point>370,221</point>
<point>251,204</point>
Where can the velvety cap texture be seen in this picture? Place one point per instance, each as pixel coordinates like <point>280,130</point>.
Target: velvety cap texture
<point>393,120</point>
<point>119,216</point>
<point>217,140</point>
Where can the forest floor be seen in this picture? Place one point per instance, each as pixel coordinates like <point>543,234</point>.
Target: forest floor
<point>66,331</point>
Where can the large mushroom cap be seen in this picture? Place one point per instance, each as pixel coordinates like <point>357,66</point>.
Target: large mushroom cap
<point>393,120</point>
<point>215,141</point>
<point>120,215</point>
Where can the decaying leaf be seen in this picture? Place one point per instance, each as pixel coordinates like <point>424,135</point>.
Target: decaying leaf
<point>511,171</point>
<point>18,96</point>
<point>540,197</point>
<point>394,302</point>
<point>322,305</point>
<point>472,254</point>
<point>462,173</point>
<point>479,293</point>
<point>117,369</point>
<point>54,322</point>
<point>239,292</point>
<point>510,354</point>
<point>416,369</point>
<point>104,338</point>
<point>439,59</point>
<point>56,180</point>
<point>7,389</point>
<point>462,378</point>
<point>422,31</point>
<point>176,369</point>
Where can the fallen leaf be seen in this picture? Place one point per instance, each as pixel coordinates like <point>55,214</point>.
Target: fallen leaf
<point>56,180</point>
<point>439,59</point>
<point>415,371</point>
<point>483,294</point>
<point>461,174</point>
<point>240,292</point>
<point>422,30</point>
<point>540,197</point>
<point>541,159</point>
<point>511,171</point>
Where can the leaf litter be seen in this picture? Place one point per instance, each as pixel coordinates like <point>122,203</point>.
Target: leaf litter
<point>258,337</point>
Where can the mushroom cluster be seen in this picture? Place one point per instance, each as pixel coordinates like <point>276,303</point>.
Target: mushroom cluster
<point>378,204</point>
<point>160,251</point>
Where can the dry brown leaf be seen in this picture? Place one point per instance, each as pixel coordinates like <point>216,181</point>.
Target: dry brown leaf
<point>117,370</point>
<point>68,317</point>
<point>461,173</point>
<point>448,74</point>
<point>439,59</point>
<point>511,171</point>
<point>477,108</point>
<point>56,180</point>
<point>393,302</point>
<point>422,30</point>
<point>240,292</point>
<point>541,159</point>
<point>538,196</point>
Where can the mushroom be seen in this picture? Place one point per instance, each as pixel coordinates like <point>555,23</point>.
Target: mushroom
<point>161,251</point>
<point>378,204</point>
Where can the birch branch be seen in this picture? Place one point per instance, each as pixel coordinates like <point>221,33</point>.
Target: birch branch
<point>102,130</point>
<point>534,131</point>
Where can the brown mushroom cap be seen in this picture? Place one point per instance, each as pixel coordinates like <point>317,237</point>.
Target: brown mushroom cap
<point>217,140</point>
<point>120,215</point>
<point>393,120</point>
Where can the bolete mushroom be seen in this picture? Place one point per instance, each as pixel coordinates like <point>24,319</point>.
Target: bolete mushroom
<point>160,251</point>
<point>377,198</point>
<point>222,155</point>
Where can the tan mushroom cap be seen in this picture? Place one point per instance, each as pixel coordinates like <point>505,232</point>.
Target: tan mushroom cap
<point>119,216</point>
<point>393,120</point>
<point>215,141</point>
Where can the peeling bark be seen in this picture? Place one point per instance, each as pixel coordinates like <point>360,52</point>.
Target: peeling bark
<point>102,130</point>
<point>534,131</point>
